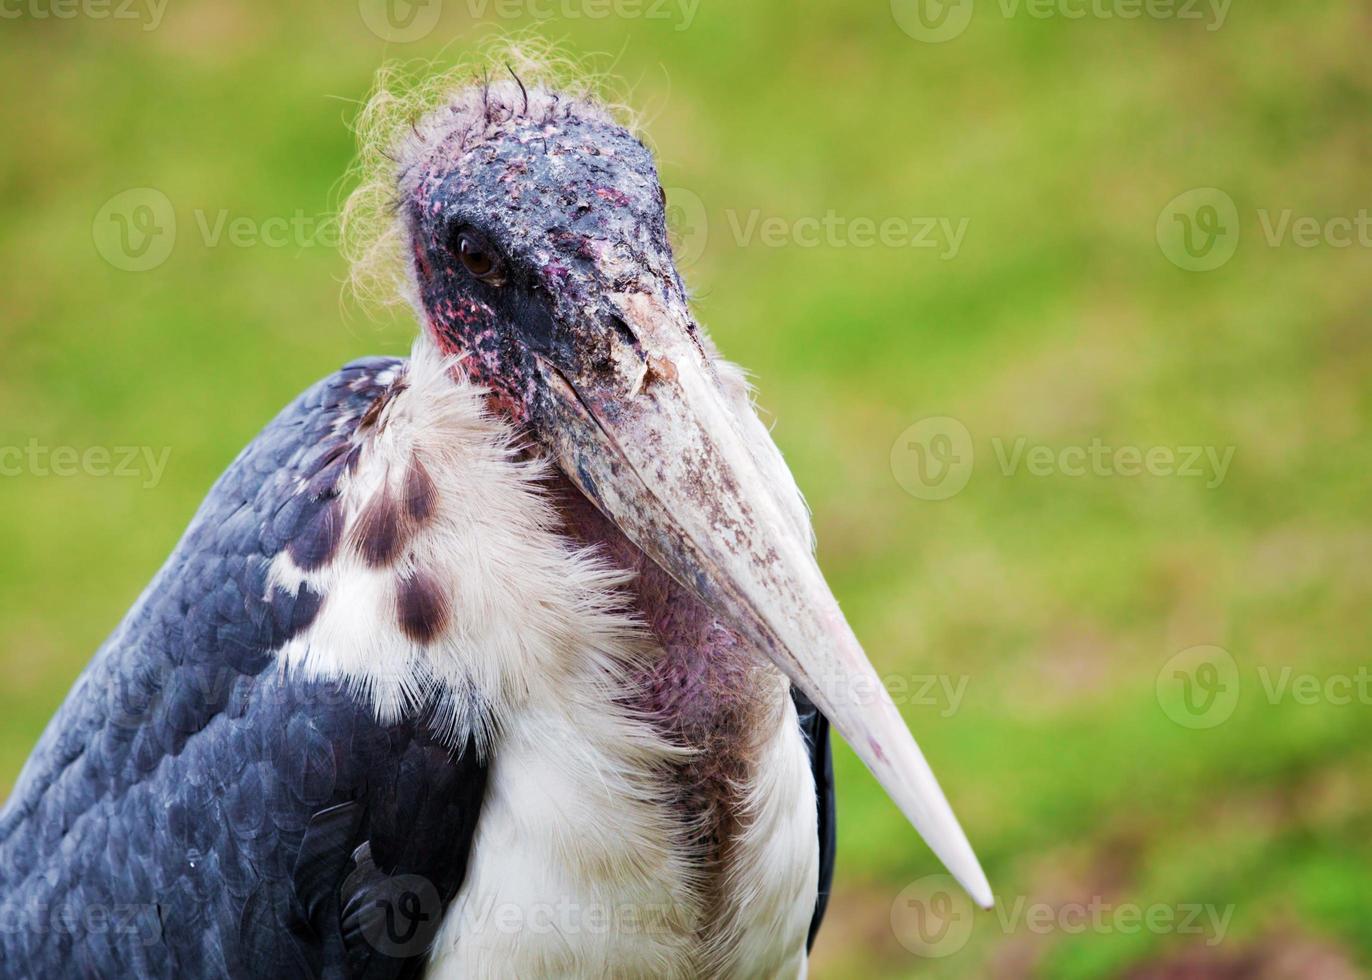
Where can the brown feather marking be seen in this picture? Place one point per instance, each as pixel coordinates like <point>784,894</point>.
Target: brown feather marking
<point>420,492</point>
<point>378,405</point>
<point>421,607</point>
<point>379,534</point>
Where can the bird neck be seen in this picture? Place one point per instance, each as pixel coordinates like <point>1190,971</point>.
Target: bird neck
<point>705,675</point>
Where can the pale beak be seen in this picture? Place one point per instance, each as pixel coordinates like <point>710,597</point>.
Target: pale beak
<point>666,456</point>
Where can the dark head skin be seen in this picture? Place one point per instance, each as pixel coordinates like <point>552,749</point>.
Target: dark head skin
<point>567,210</point>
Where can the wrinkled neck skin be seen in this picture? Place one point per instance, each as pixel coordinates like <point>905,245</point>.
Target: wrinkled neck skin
<point>706,671</point>
<point>707,690</point>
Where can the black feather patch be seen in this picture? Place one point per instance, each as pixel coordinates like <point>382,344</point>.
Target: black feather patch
<point>815,727</point>
<point>323,860</point>
<point>422,608</point>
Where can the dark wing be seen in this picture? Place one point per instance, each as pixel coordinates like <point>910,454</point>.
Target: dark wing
<point>192,810</point>
<point>816,729</point>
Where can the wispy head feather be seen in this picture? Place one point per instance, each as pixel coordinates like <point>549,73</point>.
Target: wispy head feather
<point>415,110</point>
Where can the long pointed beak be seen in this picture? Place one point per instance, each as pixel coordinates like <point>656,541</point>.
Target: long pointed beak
<point>667,457</point>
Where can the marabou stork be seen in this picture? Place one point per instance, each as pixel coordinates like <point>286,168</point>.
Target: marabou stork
<point>511,659</point>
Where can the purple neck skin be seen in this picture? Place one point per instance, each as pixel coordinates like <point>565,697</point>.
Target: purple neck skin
<point>706,691</point>
<point>705,676</point>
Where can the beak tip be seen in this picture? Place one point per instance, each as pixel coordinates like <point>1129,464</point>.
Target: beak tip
<point>966,869</point>
<point>981,894</point>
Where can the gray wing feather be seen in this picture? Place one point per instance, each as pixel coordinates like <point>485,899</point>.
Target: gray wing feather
<point>191,810</point>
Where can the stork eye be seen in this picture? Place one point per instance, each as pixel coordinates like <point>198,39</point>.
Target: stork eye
<point>478,257</point>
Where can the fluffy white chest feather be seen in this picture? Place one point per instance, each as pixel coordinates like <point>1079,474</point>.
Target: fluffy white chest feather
<point>571,877</point>
<point>591,857</point>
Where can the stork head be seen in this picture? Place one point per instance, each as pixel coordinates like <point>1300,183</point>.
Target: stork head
<point>539,254</point>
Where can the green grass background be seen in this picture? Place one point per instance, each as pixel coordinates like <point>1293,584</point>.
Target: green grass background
<point>1057,599</point>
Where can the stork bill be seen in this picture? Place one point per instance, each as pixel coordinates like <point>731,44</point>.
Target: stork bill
<point>509,659</point>
<point>695,484</point>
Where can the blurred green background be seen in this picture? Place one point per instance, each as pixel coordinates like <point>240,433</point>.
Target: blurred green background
<point>1141,810</point>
